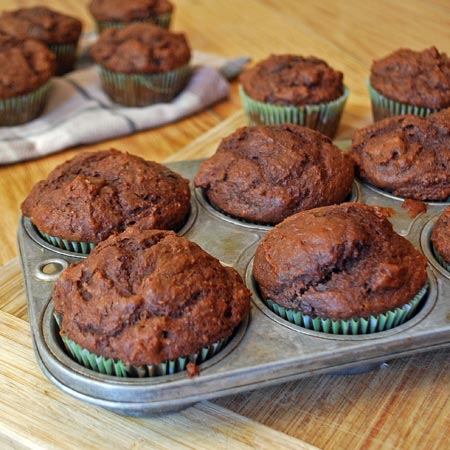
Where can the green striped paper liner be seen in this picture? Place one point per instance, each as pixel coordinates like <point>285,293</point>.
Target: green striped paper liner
<point>66,55</point>
<point>162,20</point>
<point>144,89</point>
<point>373,324</point>
<point>440,259</point>
<point>72,246</point>
<point>23,108</point>
<point>383,107</point>
<point>116,367</point>
<point>323,117</point>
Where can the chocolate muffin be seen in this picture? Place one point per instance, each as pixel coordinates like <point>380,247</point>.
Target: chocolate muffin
<point>58,31</point>
<point>96,194</point>
<point>266,173</point>
<point>284,88</point>
<point>406,155</point>
<point>410,82</point>
<point>117,13</point>
<point>142,63</point>
<point>132,300</point>
<point>341,262</point>
<point>292,80</point>
<point>440,238</point>
<point>27,66</point>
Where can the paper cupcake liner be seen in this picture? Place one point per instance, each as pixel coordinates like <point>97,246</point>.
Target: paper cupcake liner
<point>323,117</point>
<point>383,107</point>
<point>440,259</point>
<point>144,89</point>
<point>373,324</point>
<point>162,20</point>
<point>72,246</point>
<point>23,108</point>
<point>116,367</point>
<point>66,55</point>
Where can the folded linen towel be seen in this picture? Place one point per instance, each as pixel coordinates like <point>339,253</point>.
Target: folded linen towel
<point>79,112</point>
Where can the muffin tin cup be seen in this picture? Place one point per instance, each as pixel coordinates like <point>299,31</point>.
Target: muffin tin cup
<point>144,89</point>
<point>383,107</point>
<point>372,324</point>
<point>162,20</point>
<point>116,367</point>
<point>323,117</point>
<point>66,55</point>
<point>440,259</point>
<point>23,108</point>
<point>72,246</point>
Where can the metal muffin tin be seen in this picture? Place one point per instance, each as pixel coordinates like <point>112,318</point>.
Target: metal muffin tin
<point>266,349</point>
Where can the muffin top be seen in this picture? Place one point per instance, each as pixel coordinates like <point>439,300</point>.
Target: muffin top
<point>127,11</point>
<point>41,23</point>
<point>406,155</point>
<point>148,296</point>
<point>141,48</point>
<point>340,262</point>
<point>93,195</point>
<point>26,65</point>
<point>292,80</point>
<point>266,173</point>
<point>416,78</point>
<point>440,236</point>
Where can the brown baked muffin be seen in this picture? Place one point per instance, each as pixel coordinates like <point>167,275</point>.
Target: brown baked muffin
<point>27,66</point>
<point>117,13</point>
<point>440,238</point>
<point>266,173</point>
<point>341,262</point>
<point>94,195</point>
<point>285,88</point>
<point>142,63</point>
<point>58,31</point>
<point>292,80</point>
<point>410,82</point>
<point>132,300</point>
<point>406,155</point>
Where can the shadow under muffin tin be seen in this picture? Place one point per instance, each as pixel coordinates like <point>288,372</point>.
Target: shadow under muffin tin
<point>266,349</point>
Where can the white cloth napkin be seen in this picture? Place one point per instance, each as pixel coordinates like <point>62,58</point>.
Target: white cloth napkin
<point>79,112</point>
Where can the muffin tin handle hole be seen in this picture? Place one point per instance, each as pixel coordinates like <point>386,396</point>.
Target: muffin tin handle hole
<point>50,269</point>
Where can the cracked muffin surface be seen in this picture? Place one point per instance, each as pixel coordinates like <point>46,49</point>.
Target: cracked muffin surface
<point>148,296</point>
<point>96,194</point>
<point>42,24</point>
<point>416,78</point>
<point>26,65</point>
<point>141,48</point>
<point>267,173</point>
<point>339,262</point>
<point>406,155</point>
<point>292,80</point>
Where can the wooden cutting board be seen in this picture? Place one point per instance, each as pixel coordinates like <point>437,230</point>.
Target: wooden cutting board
<point>404,404</point>
<point>36,414</point>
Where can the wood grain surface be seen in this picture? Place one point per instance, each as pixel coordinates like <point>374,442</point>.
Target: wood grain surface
<point>405,404</point>
<point>348,34</point>
<point>36,414</point>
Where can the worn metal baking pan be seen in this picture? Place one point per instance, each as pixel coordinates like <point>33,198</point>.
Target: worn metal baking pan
<point>266,349</point>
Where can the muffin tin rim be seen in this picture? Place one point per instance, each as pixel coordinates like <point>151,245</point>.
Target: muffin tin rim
<point>239,373</point>
<point>427,304</point>
<point>49,332</point>
<point>203,200</point>
<point>32,231</point>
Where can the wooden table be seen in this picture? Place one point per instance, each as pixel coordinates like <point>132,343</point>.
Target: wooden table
<point>405,404</point>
